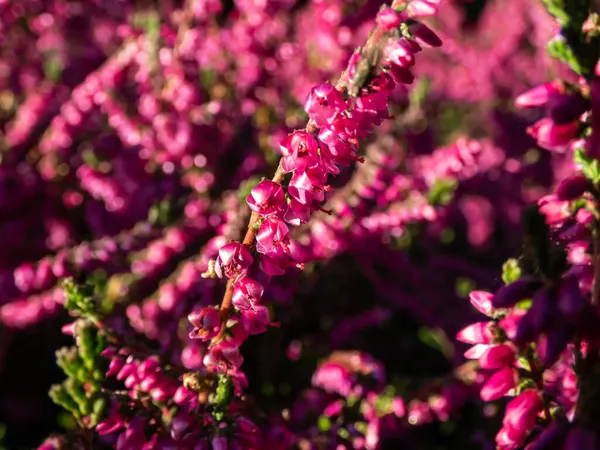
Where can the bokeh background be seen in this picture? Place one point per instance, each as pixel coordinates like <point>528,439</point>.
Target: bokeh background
<point>131,130</point>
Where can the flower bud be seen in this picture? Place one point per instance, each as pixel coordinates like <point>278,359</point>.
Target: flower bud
<point>537,96</point>
<point>499,384</point>
<point>572,188</point>
<point>497,356</point>
<point>553,136</point>
<point>553,344</point>
<point>513,293</point>
<point>570,301</point>
<point>421,8</point>
<point>521,411</point>
<point>510,439</point>
<point>388,19</point>
<point>543,309</point>
<point>477,333</point>
<point>482,301</point>
<point>424,36</point>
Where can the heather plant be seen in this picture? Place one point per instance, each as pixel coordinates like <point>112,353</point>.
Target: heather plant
<point>261,225</point>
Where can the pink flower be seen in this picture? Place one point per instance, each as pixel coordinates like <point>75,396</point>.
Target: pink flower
<point>424,36</point>
<point>234,259</point>
<point>537,96</point>
<point>300,150</point>
<point>339,144</point>
<point>333,409</point>
<point>553,136</point>
<point>572,187</point>
<point>555,210</point>
<point>399,407</point>
<point>247,293</point>
<point>482,301</point>
<point>400,53</point>
<point>477,333</point>
<point>510,439</point>
<point>256,321</point>
<point>421,8</point>
<point>323,104</point>
<point>267,198</point>
<point>521,412</point>
<point>223,357</point>
<point>206,322</point>
<point>301,188</point>
<point>499,384</point>
<point>333,377</point>
<point>297,213</point>
<point>497,356</point>
<point>388,19</point>
<point>273,239</point>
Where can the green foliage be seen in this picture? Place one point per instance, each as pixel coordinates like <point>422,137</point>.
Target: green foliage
<point>246,187</point>
<point>589,166</point>
<point>163,212</point>
<point>437,339</point>
<point>79,298</point>
<point>559,48</point>
<point>441,192</point>
<point>511,271</point>
<point>574,47</point>
<point>224,391</point>
<point>224,394</point>
<point>80,394</point>
<point>524,363</point>
<point>524,304</point>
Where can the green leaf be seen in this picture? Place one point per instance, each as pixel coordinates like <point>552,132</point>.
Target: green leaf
<point>511,271</point>
<point>78,394</point>
<point>61,397</point>
<point>524,304</point>
<point>86,341</point>
<point>556,8</point>
<point>437,339</point>
<point>224,391</point>
<point>525,384</point>
<point>69,361</point>
<point>559,49</point>
<point>79,298</point>
<point>99,408</point>
<point>524,363</point>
